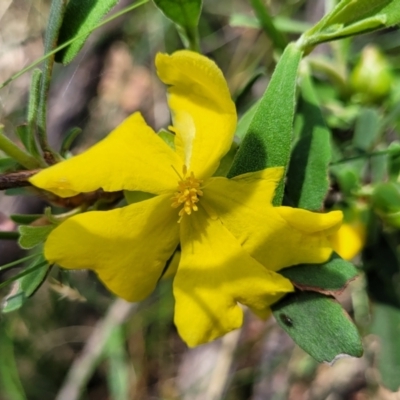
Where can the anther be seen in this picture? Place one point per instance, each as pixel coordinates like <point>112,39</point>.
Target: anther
<point>187,194</point>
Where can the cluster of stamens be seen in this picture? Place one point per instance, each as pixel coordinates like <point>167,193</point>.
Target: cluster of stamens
<point>188,194</point>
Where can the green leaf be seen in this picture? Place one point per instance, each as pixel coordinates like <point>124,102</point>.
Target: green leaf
<point>328,278</point>
<point>268,25</point>
<point>26,286</point>
<point>136,196</point>
<point>386,325</point>
<point>25,219</point>
<point>268,140</point>
<point>319,325</point>
<point>33,105</point>
<point>226,161</point>
<point>168,137</point>
<point>185,14</point>
<point>118,364</point>
<point>7,164</point>
<point>352,17</point>
<point>394,160</point>
<point>308,181</point>
<point>10,382</point>
<point>57,11</point>
<point>31,236</point>
<point>386,197</point>
<point>9,235</point>
<point>367,129</point>
<point>22,132</point>
<point>245,121</point>
<point>80,16</point>
<point>12,150</point>
<point>69,138</point>
<point>17,262</point>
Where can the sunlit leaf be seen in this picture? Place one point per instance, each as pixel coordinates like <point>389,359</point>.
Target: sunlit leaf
<point>319,325</point>
<point>268,140</point>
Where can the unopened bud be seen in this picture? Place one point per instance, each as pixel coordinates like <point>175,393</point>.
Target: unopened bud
<point>371,79</point>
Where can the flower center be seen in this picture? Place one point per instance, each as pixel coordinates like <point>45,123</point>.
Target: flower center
<point>187,194</point>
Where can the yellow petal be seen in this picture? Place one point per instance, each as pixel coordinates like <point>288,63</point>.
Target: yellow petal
<point>131,157</point>
<point>312,222</point>
<point>214,275</point>
<point>349,240</point>
<point>203,113</point>
<point>277,237</point>
<point>127,247</point>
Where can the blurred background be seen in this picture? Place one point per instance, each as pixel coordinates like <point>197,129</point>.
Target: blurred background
<point>73,340</point>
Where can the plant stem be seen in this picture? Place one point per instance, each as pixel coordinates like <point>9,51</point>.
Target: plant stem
<point>11,149</point>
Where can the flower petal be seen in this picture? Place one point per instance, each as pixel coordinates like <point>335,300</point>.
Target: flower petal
<point>127,247</point>
<point>277,237</point>
<point>214,275</point>
<point>203,113</point>
<point>349,240</point>
<point>131,157</point>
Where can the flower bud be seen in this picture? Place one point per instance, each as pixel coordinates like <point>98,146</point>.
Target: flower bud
<point>371,79</point>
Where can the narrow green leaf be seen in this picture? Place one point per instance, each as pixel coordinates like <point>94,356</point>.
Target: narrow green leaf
<point>19,155</point>
<point>308,181</point>
<point>31,236</point>
<point>367,129</point>
<point>118,366</point>
<point>33,105</point>
<point>269,139</point>
<point>245,121</point>
<point>329,277</point>
<point>25,219</point>
<point>57,11</point>
<point>22,132</point>
<point>8,164</point>
<point>268,25</point>
<point>10,382</point>
<point>9,235</point>
<point>26,286</point>
<point>185,14</point>
<point>319,325</point>
<point>394,160</point>
<point>69,138</point>
<point>17,262</point>
<point>386,325</point>
<point>226,161</point>
<point>26,271</point>
<point>379,167</point>
<point>80,16</point>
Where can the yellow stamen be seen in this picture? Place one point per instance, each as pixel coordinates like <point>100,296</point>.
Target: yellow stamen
<point>187,194</point>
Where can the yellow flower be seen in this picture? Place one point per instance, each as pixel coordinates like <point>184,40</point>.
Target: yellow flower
<point>349,240</point>
<point>218,222</point>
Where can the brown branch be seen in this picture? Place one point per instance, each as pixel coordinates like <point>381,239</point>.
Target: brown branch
<point>19,179</point>
<point>16,179</point>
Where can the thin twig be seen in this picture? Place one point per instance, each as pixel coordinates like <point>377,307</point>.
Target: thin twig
<point>18,179</point>
<point>83,367</point>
